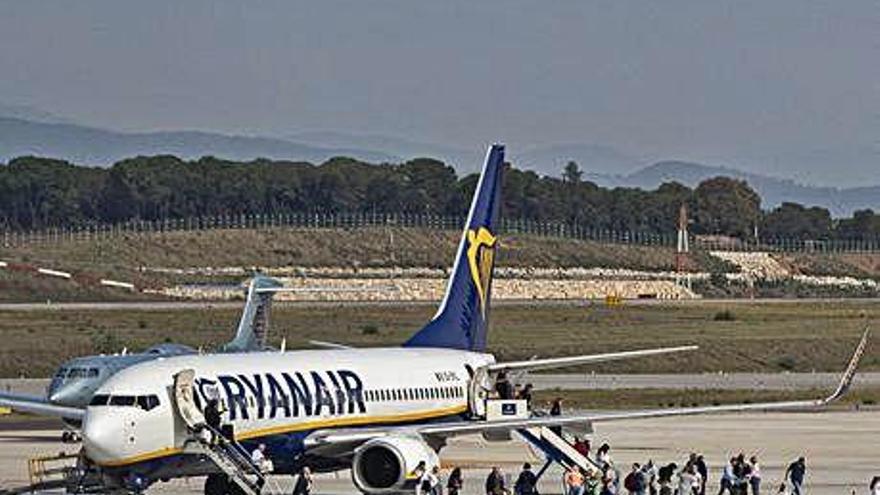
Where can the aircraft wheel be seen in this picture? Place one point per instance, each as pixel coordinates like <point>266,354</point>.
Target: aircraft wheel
<point>217,484</point>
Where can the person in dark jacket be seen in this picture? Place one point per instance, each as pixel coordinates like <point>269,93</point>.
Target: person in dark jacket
<point>455,483</point>
<point>304,482</point>
<point>527,482</point>
<point>703,470</point>
<point>495,482</point>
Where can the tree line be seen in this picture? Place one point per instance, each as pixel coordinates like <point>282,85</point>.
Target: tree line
<point>40,192</point>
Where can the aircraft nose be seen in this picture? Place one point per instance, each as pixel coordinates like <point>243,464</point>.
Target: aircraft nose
<point>64,394</point>
<point>100,435</point>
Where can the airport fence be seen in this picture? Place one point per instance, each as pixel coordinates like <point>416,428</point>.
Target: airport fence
<point>92,232</point>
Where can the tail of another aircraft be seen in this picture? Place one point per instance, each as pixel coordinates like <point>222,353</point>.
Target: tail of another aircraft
<point>254,324</point>
<point>462,320</point>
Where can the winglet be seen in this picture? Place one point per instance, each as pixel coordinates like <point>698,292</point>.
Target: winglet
<point>850,372</point>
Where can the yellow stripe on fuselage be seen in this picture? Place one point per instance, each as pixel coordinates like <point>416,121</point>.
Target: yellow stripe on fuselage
<point>289,428</point>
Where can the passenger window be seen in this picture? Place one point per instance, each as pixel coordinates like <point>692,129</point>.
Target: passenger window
<point>147,402</point>
<point>122,400</point>
<point>99,400</point>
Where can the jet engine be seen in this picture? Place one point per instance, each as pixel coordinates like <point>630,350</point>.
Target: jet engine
<point>382,465</point>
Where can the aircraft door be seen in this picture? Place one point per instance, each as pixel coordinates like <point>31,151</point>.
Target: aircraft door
<point>184,399</point>
<point>478,392</point>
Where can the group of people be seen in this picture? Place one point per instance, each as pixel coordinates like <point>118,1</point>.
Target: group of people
<point>506,390</point>
<point>429,482</point>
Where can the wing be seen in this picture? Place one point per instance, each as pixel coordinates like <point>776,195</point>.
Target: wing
<point>561,362</point>
<point>39,406</point>
<point>352,437</point>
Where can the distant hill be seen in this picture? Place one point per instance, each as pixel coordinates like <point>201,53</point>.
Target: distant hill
<point>464,160</point>
<point>94,146</point>
<point>593,158</point>
<point>773,190</point>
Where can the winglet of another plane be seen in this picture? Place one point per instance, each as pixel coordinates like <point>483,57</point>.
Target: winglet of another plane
<point>850,372</point>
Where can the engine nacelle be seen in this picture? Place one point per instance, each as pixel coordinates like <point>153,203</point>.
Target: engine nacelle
<point>382,465</point>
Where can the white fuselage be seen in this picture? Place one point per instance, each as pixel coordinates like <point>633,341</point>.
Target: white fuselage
<point>275,398</point>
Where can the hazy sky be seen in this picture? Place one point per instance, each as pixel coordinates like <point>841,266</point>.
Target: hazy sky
<point>782,86</point>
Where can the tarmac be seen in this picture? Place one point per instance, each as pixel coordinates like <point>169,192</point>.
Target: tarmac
<point>842,449</point>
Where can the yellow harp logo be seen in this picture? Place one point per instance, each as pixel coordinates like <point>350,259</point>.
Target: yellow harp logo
<point>481,254</point>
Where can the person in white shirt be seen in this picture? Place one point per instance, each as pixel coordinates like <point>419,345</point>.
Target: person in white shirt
<point>263,463</point>
<point>686,479</point>
<point>875,485</point>
<point>429,483</point>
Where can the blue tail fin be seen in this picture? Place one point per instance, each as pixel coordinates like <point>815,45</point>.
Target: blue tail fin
<point>462,320</point>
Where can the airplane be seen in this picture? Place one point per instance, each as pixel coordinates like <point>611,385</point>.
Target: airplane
<point>74,383</point>
<point>376,411</point>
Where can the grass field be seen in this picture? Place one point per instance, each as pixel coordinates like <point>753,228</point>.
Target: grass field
<point>791,336</point>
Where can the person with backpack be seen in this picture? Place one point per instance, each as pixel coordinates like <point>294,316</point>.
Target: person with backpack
<point>527,482</point>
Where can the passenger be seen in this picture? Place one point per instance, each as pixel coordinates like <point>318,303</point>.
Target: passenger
<point>526,394</point>
<point>664,478</point>
<point>495,482</point>
<point>582,445</point>
<point>687,480</point>
<point>649,477</point>
<point>727,478</point>
<point>795,473</point>
<point>741,474</point>
<point>455,483</point>
<point>417,474</point>
<point>556,410</point>
<point>755,475</point>
<point>429,482</point>
<point>603,455</point>
<point>635,480</point>
<point>304,482</point>
<point>212,418</point>
<point>609,480</point>
<point>526,482</point>
<point>703,471</point>
<point>875,485</point>
<point>260,460</point>
<point>574,481</point>
<point>593,482</point>
<point>503,387</point>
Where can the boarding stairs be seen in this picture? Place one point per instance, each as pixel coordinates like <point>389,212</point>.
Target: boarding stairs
<point>556,449</point>
<point>231,458</point>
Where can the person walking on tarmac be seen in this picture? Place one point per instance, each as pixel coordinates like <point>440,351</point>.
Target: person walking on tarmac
<point>527,482</point>
<point>795,473</point>
<point>304,482</point>
<point>455,483</point>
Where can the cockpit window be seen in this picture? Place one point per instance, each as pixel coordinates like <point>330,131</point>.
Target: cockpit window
<point>122,400</point>
<point>100,400</point>
<point>93,372</point>
<point>61,373</point>
<point>147,402</point>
